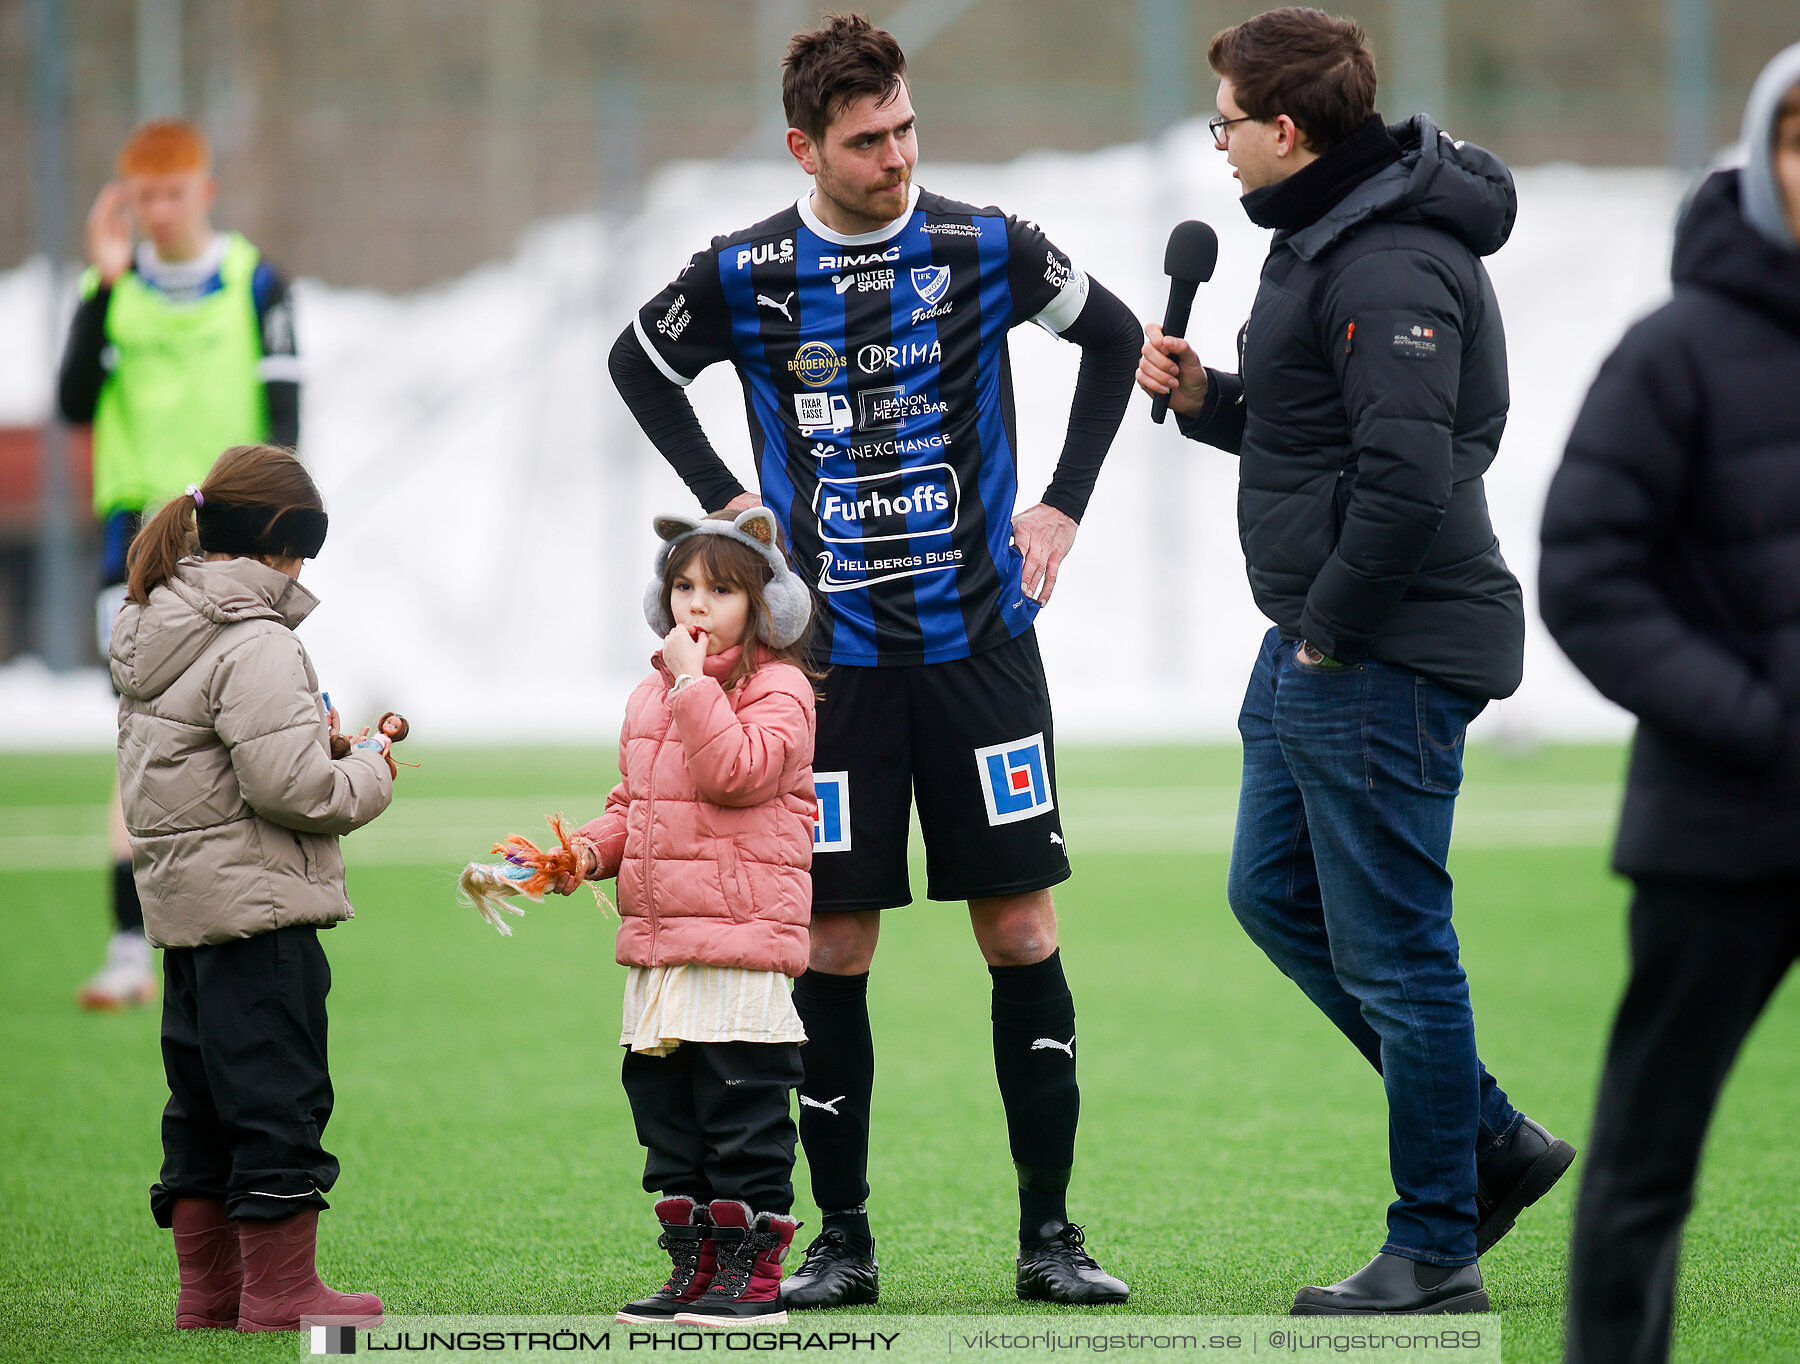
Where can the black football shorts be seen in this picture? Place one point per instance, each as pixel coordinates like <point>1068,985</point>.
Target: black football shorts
<point>970,740</point>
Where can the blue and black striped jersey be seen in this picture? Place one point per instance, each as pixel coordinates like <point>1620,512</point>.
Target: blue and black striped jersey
<point>879,394</point>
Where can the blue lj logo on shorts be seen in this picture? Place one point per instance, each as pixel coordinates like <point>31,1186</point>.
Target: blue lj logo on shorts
<point>831,815</point>
<point>1015,780</point>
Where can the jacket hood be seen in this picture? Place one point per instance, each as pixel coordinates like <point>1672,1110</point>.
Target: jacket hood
<point>1458,187</point>
<point>153,643</point>
<point>1761,203</point>
<point>1715,248</point>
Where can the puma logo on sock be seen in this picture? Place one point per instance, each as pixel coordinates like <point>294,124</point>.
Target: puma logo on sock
<point>830,1105</point>
<point>1042,1044</point>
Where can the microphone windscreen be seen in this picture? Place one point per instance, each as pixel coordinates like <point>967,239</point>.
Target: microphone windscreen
<point>1192,252</point>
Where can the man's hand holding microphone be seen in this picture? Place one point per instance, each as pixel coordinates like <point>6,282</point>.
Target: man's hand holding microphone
<point>1169,366</point>
<point>1168,369</point>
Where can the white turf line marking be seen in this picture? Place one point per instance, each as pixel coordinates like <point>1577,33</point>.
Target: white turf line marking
<point>454,829</point>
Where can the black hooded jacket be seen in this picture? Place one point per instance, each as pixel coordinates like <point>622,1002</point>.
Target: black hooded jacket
<point>1370,402</point>
<point>1671,562</point>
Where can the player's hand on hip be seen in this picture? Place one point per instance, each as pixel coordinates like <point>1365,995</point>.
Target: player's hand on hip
<point>1044,535</point>
<point>741,503</point>
<point>109,233</point>
<point>1168,364</point>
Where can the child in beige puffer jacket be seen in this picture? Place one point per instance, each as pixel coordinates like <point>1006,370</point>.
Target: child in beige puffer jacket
<point>234,803</point>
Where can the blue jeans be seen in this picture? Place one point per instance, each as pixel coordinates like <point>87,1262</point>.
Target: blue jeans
<point>1337,873</point>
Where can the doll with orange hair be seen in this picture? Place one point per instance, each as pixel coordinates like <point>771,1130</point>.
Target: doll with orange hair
<point>182,346</point>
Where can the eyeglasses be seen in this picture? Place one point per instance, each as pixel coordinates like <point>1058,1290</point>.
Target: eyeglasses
<point>1219,123</point>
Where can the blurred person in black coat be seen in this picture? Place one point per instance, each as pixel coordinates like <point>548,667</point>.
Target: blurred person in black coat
<point>1671,577</point>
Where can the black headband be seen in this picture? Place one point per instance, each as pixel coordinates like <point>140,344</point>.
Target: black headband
<point>256,528</point>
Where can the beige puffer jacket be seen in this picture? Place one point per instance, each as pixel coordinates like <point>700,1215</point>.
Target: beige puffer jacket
<point>232,799</point>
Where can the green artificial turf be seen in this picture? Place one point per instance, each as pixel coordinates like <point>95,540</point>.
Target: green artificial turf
<point>1232,1146</point>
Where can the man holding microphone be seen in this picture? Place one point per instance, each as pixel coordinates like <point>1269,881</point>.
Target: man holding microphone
<point>1370,398</point>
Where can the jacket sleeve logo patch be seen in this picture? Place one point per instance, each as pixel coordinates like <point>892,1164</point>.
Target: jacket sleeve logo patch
<point>1416,341</point>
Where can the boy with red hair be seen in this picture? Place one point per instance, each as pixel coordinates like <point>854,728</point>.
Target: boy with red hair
<point>181,347</point>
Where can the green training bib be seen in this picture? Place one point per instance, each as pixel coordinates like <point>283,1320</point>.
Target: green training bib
<point>183,385</point>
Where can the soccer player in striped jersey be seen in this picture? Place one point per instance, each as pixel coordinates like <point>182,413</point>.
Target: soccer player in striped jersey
<point>868,324</point>
<point>181,347</point>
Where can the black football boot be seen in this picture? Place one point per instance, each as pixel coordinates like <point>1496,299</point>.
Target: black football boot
<point>839,1271</point>
<point>1055,1268</point>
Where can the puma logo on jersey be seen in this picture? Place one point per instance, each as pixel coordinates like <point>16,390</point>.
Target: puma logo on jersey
<point>764,301</point>
<point>830,1105</point>
<point>1056,838</point>
<point>1043,1044</point>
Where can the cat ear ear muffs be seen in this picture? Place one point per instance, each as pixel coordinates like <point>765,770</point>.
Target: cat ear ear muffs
<point>790,604</point>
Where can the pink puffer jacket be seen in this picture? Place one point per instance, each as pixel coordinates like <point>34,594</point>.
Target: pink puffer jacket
<point>711,831</point>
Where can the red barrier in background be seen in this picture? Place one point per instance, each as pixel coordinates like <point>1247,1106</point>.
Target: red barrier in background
<point>21,475</point>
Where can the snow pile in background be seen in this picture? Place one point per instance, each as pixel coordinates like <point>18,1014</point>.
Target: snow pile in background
<point>490,496</point>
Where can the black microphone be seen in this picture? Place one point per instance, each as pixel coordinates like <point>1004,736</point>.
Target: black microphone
<point>1188,261</point>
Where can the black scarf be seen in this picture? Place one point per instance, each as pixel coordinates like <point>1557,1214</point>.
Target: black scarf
<point>1319,186</point>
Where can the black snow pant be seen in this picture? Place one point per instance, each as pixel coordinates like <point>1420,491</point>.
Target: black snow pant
<point>243,1043</point>
<point>714,1120</point>
<point>1705,957</point>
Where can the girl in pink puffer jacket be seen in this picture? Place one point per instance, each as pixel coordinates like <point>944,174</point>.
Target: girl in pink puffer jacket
<point>710,835</point>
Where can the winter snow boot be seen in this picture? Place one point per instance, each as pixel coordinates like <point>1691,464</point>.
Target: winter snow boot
<point>687,1236</point>
<point>281,1285</point>
<point>212,1271</point>
<point>746,1285</point>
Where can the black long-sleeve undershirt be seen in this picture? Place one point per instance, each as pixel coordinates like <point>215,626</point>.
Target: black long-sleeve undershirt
<point>1106,330</point>
<point>1110,337</point>
<point>663,410</point>
<point>83,371</point>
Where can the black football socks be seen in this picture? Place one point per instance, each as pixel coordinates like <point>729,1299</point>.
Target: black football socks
<point>1034,1060</point>
<point>839,1057</point>
<point>128,910</point>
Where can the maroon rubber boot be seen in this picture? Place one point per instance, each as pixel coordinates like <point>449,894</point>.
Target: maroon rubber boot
<point>281,1284</point>
<point>747,1283</point>
<point>687,1236</point>
<point>212,1271</point>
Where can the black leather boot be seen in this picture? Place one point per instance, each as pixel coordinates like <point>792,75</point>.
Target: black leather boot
<point>1513,1176</point>
<point>1392,1283</point>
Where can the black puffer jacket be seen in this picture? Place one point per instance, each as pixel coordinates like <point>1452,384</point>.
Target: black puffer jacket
<point>1371,401</point>
<point>1671,564</point>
